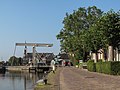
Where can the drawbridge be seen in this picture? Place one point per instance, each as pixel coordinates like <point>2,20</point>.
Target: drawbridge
<point>34,52</point>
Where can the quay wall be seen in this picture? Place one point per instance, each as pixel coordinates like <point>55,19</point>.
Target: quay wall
<point>17,68</point>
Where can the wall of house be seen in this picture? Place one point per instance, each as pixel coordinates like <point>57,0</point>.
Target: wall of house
<point>112,55</point>
<point>117,56</point>
<point>93,57</point>
<point>101,56</point>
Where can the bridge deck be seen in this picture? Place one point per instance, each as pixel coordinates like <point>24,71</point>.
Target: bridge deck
<point>39,69</point>
<point>29,68</point>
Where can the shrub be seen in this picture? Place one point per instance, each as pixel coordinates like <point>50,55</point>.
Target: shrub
<point>115,68</point>
<point>91,65</point>
<point>112,68</point>
<point>106,67</point>
<point>99,66</point>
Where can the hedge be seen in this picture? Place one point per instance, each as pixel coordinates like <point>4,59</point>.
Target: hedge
<point>115,68</point>
<point>108,67</point>
<point>99,66</point>
<point>91,65</point>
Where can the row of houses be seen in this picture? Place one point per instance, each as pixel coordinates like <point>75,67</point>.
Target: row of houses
<point>39,57</point>
<point>106,55</point>
<point>112,54</point>
<point>109,55</point>
<point>45,57</point>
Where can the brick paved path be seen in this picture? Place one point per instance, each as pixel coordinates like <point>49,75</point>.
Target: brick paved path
<point>72,78</point>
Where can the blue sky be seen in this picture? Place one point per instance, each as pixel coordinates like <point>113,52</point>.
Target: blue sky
<point>38,21</point>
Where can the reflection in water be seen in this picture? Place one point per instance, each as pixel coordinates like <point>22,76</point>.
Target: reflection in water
<point>19,80</point>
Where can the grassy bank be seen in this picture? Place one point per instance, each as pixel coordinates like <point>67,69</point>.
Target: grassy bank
<point>53,81</point>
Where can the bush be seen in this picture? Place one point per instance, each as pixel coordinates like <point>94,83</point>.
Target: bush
<point>112,68</point>
<point>106,67</point>
<point>99,66</point>
<point>115,68</point>
<point>103,67</point>
<point>91,65</point>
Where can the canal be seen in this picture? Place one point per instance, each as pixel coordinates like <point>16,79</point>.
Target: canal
<point>19,80</point>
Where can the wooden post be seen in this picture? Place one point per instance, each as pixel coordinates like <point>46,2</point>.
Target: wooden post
<point>33,57</point>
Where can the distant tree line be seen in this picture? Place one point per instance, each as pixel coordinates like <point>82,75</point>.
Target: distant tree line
<point>88,30</point>
<point>15,61</point>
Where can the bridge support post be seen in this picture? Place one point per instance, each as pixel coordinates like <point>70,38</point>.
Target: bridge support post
<point>33,56</point>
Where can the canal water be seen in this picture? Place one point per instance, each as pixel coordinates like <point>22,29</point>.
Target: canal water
<point>19,80</point>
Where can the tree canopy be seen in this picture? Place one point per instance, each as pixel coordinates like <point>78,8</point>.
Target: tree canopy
<point>14,61</point>
<point>89,29</point>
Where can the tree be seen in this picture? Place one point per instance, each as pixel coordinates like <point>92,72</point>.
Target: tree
<point>109,24</point>
<point>20,61</point>
<point>74,25</point>
<point>96,40</point>
<point>13,61</point>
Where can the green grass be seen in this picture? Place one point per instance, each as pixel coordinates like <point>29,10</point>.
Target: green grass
<point>51,82</point>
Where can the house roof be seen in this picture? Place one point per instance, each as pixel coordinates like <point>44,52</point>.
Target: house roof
<point>63,56</point>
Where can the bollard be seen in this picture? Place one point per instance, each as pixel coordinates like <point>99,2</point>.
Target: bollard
<point>45,81</point>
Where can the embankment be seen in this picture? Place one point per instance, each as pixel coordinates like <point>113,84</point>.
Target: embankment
<point>53,81</point>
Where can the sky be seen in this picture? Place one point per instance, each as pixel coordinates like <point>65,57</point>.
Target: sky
<point>38,21</point>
